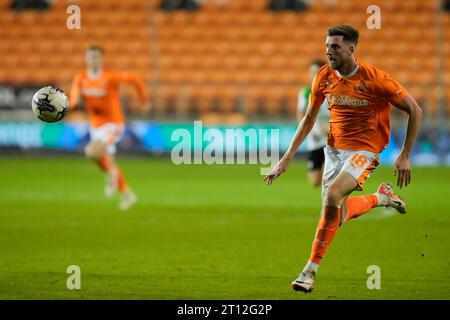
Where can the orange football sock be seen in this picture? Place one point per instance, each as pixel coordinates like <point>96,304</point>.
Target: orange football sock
<point>122,183</point>
<point>328,225</point>
<point>104,163</point>
<point>357,206</point>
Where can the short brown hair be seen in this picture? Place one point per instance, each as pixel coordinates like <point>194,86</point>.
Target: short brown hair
<point>349,33</point>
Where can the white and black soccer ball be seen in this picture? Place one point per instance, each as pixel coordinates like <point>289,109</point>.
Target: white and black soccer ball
<point>50,104</point>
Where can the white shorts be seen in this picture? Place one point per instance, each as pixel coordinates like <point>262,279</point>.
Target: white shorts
<point>108,133</point>
<point>359,164</point>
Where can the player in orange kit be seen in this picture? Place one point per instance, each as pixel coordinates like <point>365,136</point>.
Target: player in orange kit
<point>359,97</point>
<point>98,90</point>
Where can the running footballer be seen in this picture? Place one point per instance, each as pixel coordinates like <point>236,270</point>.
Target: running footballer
<point>98,89</point>
<point>359,96</point>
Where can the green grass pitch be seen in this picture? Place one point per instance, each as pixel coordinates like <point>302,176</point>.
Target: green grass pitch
<point>209,232</point>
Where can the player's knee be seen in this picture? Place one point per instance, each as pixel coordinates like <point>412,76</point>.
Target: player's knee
<point>333,196</point>
<point>93,151</point>
<point>88,152</point>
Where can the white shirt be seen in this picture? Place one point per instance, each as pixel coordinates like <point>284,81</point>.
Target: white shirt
<point>316,139</point>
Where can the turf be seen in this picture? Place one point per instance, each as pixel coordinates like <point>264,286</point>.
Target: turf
<point>209,232</point>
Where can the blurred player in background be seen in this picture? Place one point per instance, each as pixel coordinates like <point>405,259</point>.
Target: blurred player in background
<point>98,90</point>
<point>359,96</point>
<point>317,138</point>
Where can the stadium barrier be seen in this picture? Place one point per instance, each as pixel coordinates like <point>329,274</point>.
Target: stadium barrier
<point>433,147</point>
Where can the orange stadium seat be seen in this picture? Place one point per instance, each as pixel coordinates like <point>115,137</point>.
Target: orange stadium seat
<point>290,96</point>
<point>203,98</point>
<point>272,97</point>
<point>228,97</point>
<point>447,101</point>
<point>252,100</point>
<point>229,55</point>
<point>446,77</point>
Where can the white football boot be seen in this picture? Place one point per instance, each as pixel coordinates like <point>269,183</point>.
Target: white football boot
<point>127,199</point>
<point>387,198</point>
<point>304,282</point>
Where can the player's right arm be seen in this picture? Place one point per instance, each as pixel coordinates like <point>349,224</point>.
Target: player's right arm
<point>75,92</point>
<point>399,97</point>
<point>138,83</point>
<point>403,164</point>
<point>316,99</point>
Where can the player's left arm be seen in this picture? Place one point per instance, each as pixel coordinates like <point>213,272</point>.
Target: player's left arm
<point>403,164</point>
<point>138,83</point>
<point>399,97</point>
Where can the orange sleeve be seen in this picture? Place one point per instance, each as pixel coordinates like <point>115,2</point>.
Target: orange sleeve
<point>316,96</point>
<point>388,88</point>
<point>135,80</point>
<point>75,90</point>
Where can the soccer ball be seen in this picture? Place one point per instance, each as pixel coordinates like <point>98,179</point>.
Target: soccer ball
<point>50,104</point>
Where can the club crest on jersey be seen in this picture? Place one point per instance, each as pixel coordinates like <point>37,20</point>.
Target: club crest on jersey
<point>345,101</point>
<point>360,87</point>
<point>328,84</point>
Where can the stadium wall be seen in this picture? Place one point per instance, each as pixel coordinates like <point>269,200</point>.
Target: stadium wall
<point>158,138</point>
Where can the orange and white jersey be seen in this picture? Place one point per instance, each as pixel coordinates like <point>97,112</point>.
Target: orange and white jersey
<point>359,106</point>
<point>100,93</point>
